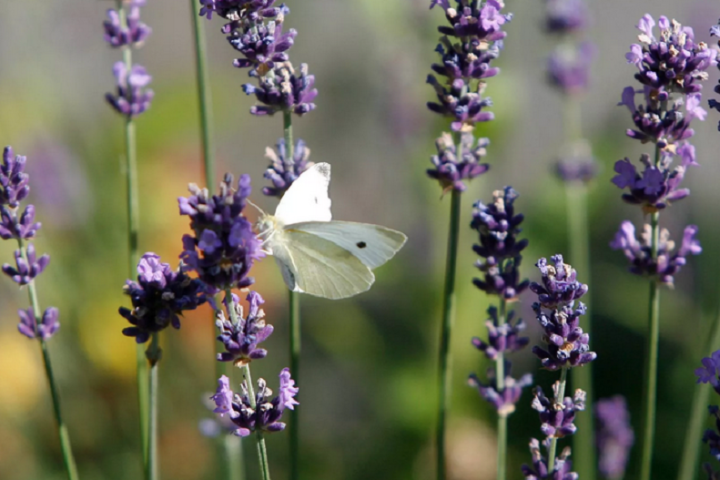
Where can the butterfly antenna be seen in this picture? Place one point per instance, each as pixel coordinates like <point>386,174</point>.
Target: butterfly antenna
<point>262,212</point>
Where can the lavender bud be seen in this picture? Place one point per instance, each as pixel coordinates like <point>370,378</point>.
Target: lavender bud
<point>132,97</point>
<point>242,338</point>
<point>283,170</point>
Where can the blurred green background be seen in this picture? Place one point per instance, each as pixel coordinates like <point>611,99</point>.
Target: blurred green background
<point>368,379</point>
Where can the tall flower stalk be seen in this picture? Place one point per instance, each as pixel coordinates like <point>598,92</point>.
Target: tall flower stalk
<point>500,250</point>
<point>34,323</point>
<point>670,71</point>
<point>469,43</point>
<point>691,450</point>
<point>125,31</point>
<point>558,311</point>
<point>255,29</point>
<point>569,73</point>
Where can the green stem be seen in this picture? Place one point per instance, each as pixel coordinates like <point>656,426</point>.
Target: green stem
<point>559,397</point>
<point>204,95</point>
<point>65,447</point>
<point>502,416</point>
<point>579,240</point>
<point>653,341</point>
<point>133,222</point>
<point>448,317</point>
<point>153,355</point>
<point>698,415</point>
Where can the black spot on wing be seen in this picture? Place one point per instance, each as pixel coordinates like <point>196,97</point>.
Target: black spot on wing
<point>361,244</point>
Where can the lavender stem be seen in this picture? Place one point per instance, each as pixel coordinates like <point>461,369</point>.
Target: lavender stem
<point>65,446</point>
<point>502,417</point>
<point>559,398</point>
<point>153,355</point>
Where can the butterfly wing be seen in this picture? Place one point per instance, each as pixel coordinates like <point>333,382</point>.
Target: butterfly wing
<point>307,198</point>
<point>373,245</point>
<point>314,265</point>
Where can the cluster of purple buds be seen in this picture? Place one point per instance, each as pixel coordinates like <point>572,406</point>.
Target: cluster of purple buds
<point>565,17</point>
<point>450,170</point>
<point>569,67</point>
<point>14,187</point>
<point>133,33</point>
<point>241,339</point>
<point>715,32</point>
<point>504,400</point>
<point>468,46</point>
<point>673,62</point>
<point>639,253</point>
<point>539,469</point>
<point>283,89</point>
<point>710,373</point>
<point>132,97</point>
<point>261,414</point>
<point>556,418</point>
<point>223,247</point>
<point>498,227</point>
<point>284,170</point>
<point>262,47</point>
<point>658,184</point>
<point>555,310</point>
<point>503,337</point>
<point>577,164</point>
<point>159,298</point>
<point>614,436</point>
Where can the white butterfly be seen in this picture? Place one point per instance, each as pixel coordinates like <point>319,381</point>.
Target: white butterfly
<point>319,256</point>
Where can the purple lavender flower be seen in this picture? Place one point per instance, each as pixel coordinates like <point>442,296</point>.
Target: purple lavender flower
<point>557,419</point>
<point>712,439</point>
<point>539,468</point>
<point>451,171</point>
<point>26,270</point>
<point>224,246</point>
<point>715,32</point>
<point>283,89</point>
<point>614,435</point>
<point>13,179</point>
<point>132,97</point>
<point>559,284</point>
<point>266,415</point>
<point>578,164</point>
<point>504,401</point>
<point>710,371</point>
<point>569,67</point>
<point>457,62</point>
<point>499,247</point>
<point>254,10</point>
<point>241,339</point>
<point>461,103</point>
<point>158,298</point>
<point>640,254</point>
<point>567,344</point>
<point>283,170</point>
<point>118,35</point>
<point>673,62</point>
<point>501,337</point>
<point>45,329</point>
<point>263,46</point>
<point>565,16</point>
<point>482,21</point>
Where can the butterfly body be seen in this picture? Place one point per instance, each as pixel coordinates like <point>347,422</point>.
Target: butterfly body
<point>317,255</point>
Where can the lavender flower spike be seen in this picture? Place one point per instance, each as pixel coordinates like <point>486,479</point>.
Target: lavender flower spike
<point>501,338</point>
<point>117,35</point>
<point>710,371</point>
<point>283,171</point>
<point>132,97</point>
<point>557,419</point>
<point>449,170</point>
<point>715,32</point>
<point>44,330</point>
<point>504,400</point>
<point>284,89</point>
<point>241,339</point>
<point>615,436</point>
<point>559,284</point>
<point>13,179</point>
<point>539,468</point>
<point>26,270</point>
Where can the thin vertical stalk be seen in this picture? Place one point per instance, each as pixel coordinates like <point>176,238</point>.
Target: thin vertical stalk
<point>502,417</point>
<point>651,363</point>
<point>152,467</point>
<point>448,318</point>
<point>698,415</point>
<point>294,310</point>
<point>65,447</point>
<point>585,463</point>
<point>133,221</point>
<point>559,397</point>
<point>262,450</point>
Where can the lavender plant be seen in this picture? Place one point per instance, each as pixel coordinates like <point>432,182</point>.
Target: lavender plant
<point>614,437</point>
<point>125,31</point>
<point>255,29</point>
<point>558,310</point>
<point>569,73</point>
<point>500,250</point>
<point>709,374</point>
<point>34,323</point>
<point>469,43</point>
<point>715,32</point>
<point>670,71</point>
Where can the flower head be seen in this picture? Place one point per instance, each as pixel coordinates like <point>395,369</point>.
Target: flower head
<point>503,337</point>
<point>565,16</point>
<point>639,253</point>
<point>539,469</point>
<point>283,170</point>
<point>13,179</point>
<point>284,89</point>
<point>559,284</point>
<point>557,418</point>
<point>119,35</point>
<point>450,170</point>
<point>241,339</point>
<point>461,103</point>
<point>262,46</point>
<point>158,298</point>
<point>223,246</point>
<point>577,164</point>
<point>614,436</point>
<point>569,67</point>
<point>479,20</point>
<point>710,371</point>
<point>503,400</point>
<point>236,9</point>
<point>132,98</point>
<point>715,32</point>
<point>44,329</point>
<point>26,268</point>
<point>262,413</point>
